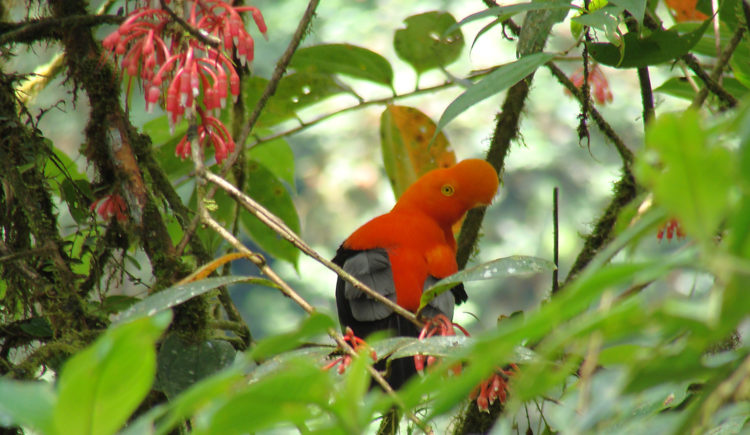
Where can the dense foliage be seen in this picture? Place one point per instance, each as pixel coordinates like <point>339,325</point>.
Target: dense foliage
<point>620,344</point>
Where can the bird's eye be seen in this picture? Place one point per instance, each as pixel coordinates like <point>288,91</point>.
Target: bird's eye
<point>447,190</point>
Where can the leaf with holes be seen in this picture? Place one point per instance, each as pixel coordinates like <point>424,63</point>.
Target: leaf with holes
<point>424,44</point>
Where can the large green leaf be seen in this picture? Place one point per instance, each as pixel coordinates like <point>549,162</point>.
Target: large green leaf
<point>689,176</point>
<point>495,82</point>
<point>424,43</point>
<point>278,157</point>
<point>100,387</point>
<point>314,325</point>
<point>507,266</point>
<point>286,398</point>
<point>182,364</point>
<point>27,404</point>
<point>658,47</point>
<point>266,189</point>
<point>345,59</point>
<point>178,294</point>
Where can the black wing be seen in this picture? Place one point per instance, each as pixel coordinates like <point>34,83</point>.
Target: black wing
<point>366,316</point>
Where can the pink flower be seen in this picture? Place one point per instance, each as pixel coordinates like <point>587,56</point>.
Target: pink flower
<point>346,359</point>
<point>598,81</point>
<point>492,389</point>
<point>439,325</point>
<point>671,228</point>
<point>194,75</point>
<point>210,131</point>
<point>109,206</point>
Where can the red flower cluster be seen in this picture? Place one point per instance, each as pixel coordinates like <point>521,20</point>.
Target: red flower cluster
<point>109,206</point>
<point>440,326</point>
<point>599,84</point>
<point>166,59</point>
<point>494,388</point>
<point>346,359</point>
<point>670,228</point>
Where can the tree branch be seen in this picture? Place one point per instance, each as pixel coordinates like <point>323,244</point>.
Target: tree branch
<point>720,65</point>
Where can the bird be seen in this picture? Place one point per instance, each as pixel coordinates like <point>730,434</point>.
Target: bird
<point>402,252</point>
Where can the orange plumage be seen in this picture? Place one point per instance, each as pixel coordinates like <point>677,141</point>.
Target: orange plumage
<point>417,233</point>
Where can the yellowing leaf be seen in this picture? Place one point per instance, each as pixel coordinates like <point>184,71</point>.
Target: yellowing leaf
<point>405,135</point>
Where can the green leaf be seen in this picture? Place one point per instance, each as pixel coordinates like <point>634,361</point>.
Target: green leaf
<point>266,189</point>
<point>287,397</point>
<point>637,8</point>
<point>200,395</point>
<point>507,266</point>
<point>606,19</point>
<point>424,43</point>
<point>435,346</point>
<point>320,355</point>
<point>680,88</point>
<point>101,386</point>
<point>28,403</point>
<point>740,63</point>
<point>659,47</point>
<point>689,177</point>
<point>495,82</point>
<point>59,167</point>
<point>294,92</point>
<point>345,59</point>
<point>176,295</point>
<point>182,364</point>
<point>77,195</point>
<point>37,327</point>
<point>314,325</point>
<point>277,156</point>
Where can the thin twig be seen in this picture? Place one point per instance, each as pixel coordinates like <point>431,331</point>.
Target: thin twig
<point>692,62</point>
<point>556,236</point>
<point>720,65</point>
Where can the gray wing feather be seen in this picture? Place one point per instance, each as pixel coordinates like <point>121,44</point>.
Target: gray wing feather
<point>373,268</point>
